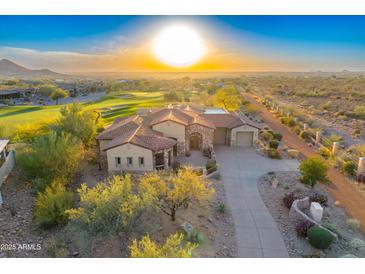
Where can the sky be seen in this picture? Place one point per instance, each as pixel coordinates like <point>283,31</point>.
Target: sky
<point>232,43</point>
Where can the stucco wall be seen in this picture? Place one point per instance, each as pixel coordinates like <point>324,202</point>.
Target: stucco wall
<point>171,129</point>
<point>130,150</point>
<point>244,128</point>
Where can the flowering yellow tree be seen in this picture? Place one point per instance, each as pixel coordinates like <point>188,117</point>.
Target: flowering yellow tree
<point>109,207</point>
<point>172,248</point>
<point>171,192</point>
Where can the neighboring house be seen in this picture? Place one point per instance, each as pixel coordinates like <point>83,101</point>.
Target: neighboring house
<point>7,162</point>
<point>149,142</point>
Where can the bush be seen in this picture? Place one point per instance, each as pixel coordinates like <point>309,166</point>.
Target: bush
<point>274,144</point>
<point>303,227</point>
<point>324,152</point>
<point>110,207</point>
<point>210,164</point>
<point>196,237</point>
<point>349,168</point>
<point>313,170</point>
<point>354,224</point>
<point>304,135</point>
<point>221,208</point>
<point>50,205</point>
<point>52,156</point>
<point>288,199</point>
<point>273,153</point>
<point>278,136</point>
<point>357,244</point>
<point>297,130</point>
<point>319,198</point>
<point>172,248</point>
<point>267,136</point>
<point>319,237</point>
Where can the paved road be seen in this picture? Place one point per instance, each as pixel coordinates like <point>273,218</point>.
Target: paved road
<point>340,188</point>
<point>256,232</point>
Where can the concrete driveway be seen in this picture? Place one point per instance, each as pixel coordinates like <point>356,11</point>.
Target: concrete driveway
<point>256,232</point>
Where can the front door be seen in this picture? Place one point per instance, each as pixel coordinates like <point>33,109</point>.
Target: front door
<point>195,141</point>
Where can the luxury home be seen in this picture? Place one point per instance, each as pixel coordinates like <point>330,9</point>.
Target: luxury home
<point>150,140</point>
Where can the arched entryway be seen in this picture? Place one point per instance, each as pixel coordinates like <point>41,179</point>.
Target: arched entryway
<point>195,141</point>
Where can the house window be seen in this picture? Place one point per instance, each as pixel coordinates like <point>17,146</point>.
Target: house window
<point>129,161</point>
<point>118,161</point>
<point>141,161</point>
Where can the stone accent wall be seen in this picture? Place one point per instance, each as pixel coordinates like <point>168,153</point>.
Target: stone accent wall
<point>207,135</point>
<point>181,148</point>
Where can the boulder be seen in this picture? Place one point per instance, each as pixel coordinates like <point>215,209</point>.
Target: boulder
<point>316,211</point>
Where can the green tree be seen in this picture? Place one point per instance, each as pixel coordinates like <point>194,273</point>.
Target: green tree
<point>51,156</point>
<point>58,94</point>
<point>313,170</point>
<point>51,204</point>
<point>78,122</point>
<point>228,97</point>
<point>170,193</point>
<point>46,90</point>
<point>172,248</point>
<point>110,207</point>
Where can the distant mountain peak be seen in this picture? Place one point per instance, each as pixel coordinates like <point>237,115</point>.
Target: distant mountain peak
<point>10,69</point>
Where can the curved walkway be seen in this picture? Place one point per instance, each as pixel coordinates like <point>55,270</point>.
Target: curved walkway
<point>256,232</point>
<point>340,188</point>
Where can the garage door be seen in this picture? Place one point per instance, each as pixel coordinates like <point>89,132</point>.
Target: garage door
<point>244,139</point>
<point>220,136</point>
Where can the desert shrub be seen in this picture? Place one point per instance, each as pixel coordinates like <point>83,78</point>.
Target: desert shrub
<point>212,169</point>
<point>335,138</point>
<point>50,205</point>
<point>357,244</point>
<point>297,130</point>
<point>110,207</point>
<point>172,248</point>
<point>273,153</point>
<point>196,237</point>
<point>278,136</point>
<point>302,228</point>
<point>210,164</point>
<point>354,224</point>
<point>221,208</point>
<point>349,168</point>
<point>175,191</point>
<point>304,135</point>
<point>324,152</point>
<point>51,156</point>
<point>267,136</point>
<point>313,170</point>
<point>289,121</point>
<point>80,123</point>
<point>319,237</point>
<point>288,199</point>
<point>327,106</point>
<point>319,198</point>
<point>187,153</point>
<point>274,144</point>
<point>55,248</point>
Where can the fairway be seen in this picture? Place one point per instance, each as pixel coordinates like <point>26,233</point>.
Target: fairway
<point>110,106</point>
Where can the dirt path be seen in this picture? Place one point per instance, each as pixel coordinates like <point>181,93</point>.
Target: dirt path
<point>340,188</point>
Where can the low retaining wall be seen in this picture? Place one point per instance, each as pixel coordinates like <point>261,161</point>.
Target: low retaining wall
<point>296,212</point>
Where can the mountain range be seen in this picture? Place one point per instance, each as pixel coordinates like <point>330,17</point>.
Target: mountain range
<point>11,69</point>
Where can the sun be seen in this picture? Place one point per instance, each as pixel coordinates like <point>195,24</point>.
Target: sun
<point>178,46</point>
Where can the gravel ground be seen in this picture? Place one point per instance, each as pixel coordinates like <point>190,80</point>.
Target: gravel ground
<point>334,218</point>
<point>20,238</point>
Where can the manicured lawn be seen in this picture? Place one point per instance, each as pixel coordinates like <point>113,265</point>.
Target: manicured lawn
<point>110,107</point>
